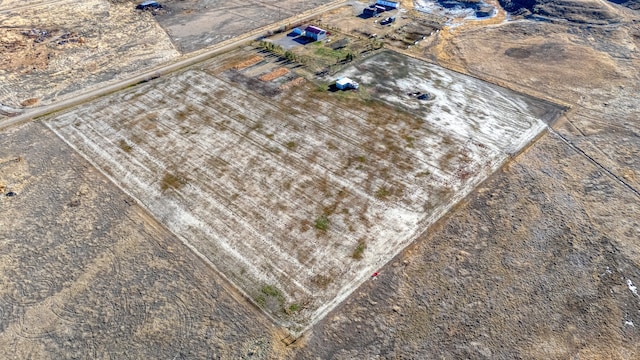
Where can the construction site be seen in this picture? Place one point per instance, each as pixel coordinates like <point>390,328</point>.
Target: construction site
<point>331,180</point>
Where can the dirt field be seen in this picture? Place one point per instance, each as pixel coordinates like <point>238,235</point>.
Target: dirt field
<point>602,61</point>
<point>539,261</point>
<point>86,273</point>
<point>543,260</point>
<point>299,199</point>
<point>194,24</point>
<point>408,28</point>
<point>55,48</point>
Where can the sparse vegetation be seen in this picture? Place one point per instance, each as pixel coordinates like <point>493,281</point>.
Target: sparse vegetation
<point>291,145</point>
<point>321,281</point>
<point>322,223</point>
<point>271,297</point>
<point>382,193</point>
<point>172,181</point>
<point>359,250</point>
<point>293,308</point>
<point>271,291</point>
<point>125,146</point>
<point>409,140</point>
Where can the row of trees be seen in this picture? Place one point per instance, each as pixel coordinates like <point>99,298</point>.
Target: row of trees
<point>280,51</point>
<point>293,57</point>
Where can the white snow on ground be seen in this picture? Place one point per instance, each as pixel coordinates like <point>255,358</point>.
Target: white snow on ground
<point>259,173</point>
<point>457,12</point>
<point>632,287</point>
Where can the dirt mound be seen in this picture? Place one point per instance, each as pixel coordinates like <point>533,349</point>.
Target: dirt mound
<point>274,74</point>
<point>588,12</point>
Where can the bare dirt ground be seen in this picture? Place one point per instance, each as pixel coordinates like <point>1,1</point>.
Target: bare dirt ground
<point>593,68</point>
<point>280,193</point>
<point>86,273</point>
<point>55,48</point>
<point>541,261</point>
<point>194,24</point>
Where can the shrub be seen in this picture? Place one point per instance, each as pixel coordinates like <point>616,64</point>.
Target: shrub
<point>271,291</point>
<point>382,193</point>
<point>359,250</point>
<point>322,223</point>
<point>293,308</point>
<point>125,146</point>
<point>170,180</point>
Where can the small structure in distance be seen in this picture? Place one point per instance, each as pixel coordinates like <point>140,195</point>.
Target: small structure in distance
<point>373,11</point>
<point>388,4</point>
<point>379,7</point>
<point>315,33</point>
<point>346,84</point>
<point>388,20</point>
<point>149,5</point>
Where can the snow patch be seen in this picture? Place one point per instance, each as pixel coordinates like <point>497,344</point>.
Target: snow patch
<point>632,287</point>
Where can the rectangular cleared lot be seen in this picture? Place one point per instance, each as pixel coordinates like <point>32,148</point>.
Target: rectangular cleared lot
<point>299,198</point>
<point>195,24</point>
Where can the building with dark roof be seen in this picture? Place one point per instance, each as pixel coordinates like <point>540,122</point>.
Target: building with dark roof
<point>315,33</point>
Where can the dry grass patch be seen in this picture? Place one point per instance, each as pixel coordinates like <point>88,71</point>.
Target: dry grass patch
<point>293,83</point>
<point>274,74</point>
<point>172,181</point>
<point>29,102</point>
<point>245,64</point>
<point>122,144</point>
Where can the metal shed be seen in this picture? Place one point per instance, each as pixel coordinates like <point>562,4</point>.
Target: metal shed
<point>346,84</point>
<point>315,33</point>
<point>388,4</point>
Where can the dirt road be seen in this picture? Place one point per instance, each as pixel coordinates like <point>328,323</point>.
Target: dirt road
<point>183,62</point>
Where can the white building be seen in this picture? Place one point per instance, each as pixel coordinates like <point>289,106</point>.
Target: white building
<point>346,83</point>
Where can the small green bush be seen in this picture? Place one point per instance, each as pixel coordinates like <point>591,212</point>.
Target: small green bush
<point>322,223</point>
<point>382,193</point>
<point>271,291</point>
<point>359,250</point>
